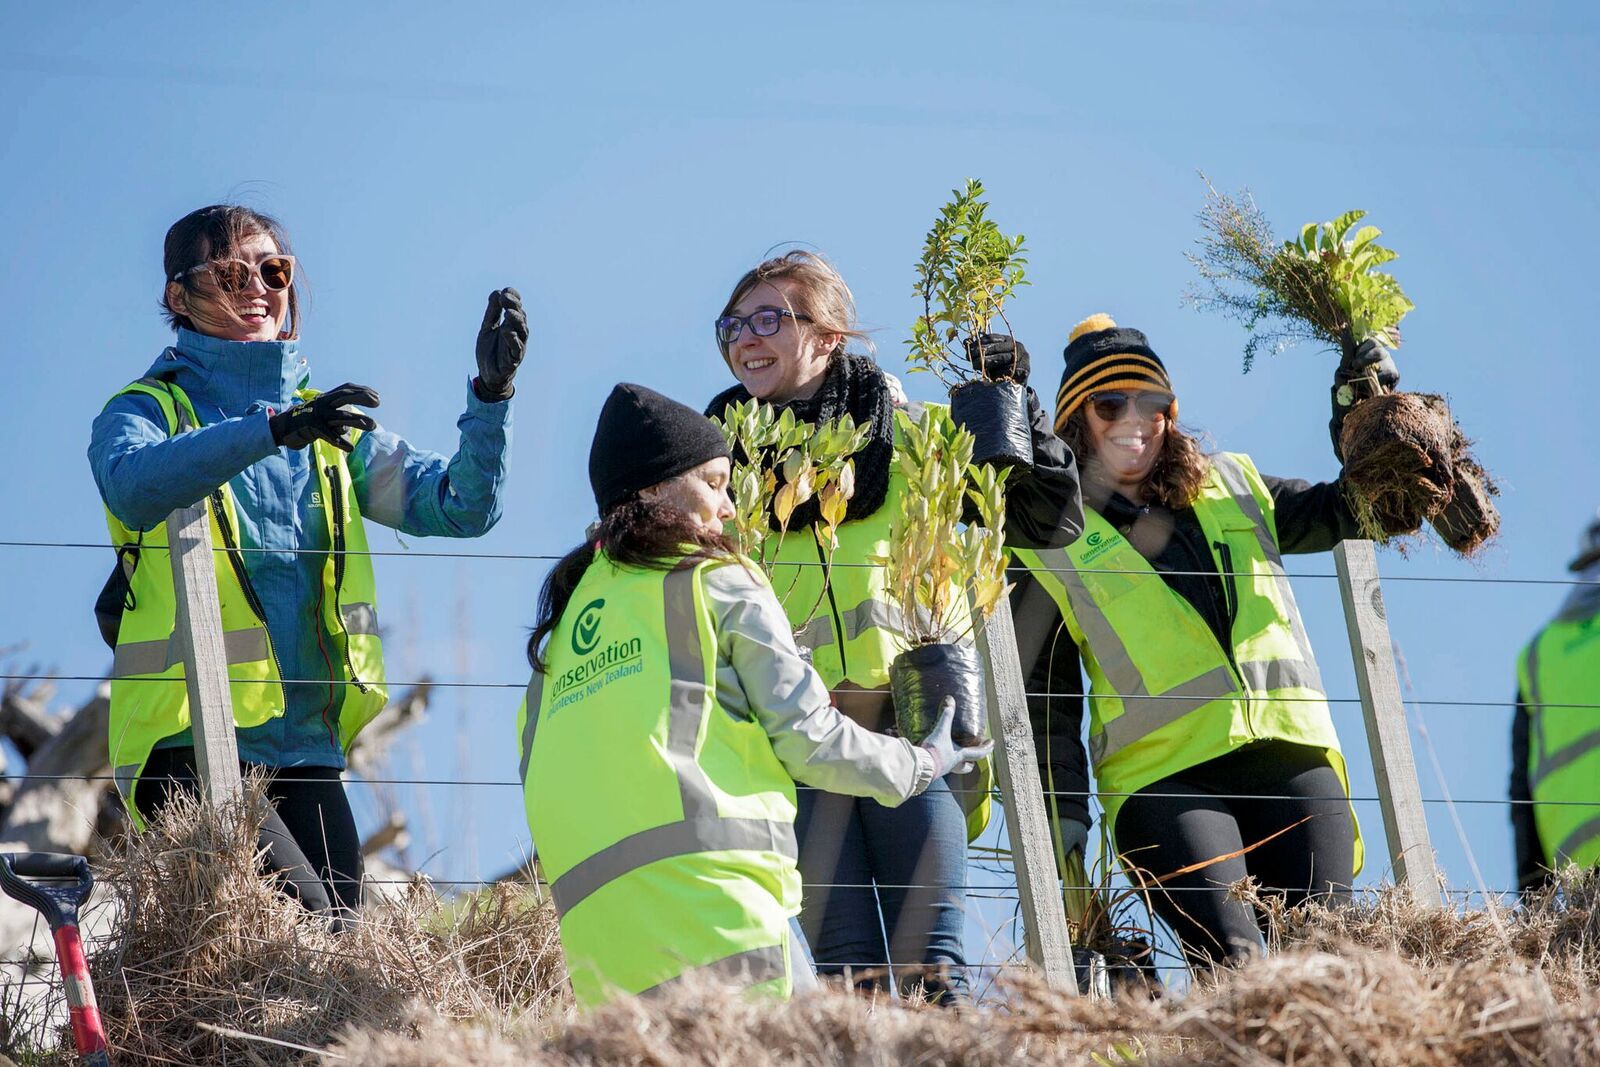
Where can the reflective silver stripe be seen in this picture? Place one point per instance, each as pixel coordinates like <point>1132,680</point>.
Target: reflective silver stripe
<point>752,966</point>
<point>686,838</point>
<point>153,657</point>
<point>1107,645</point>
<point>1586,831</point>
<point>1549,764</point>
<point>818,633</point>
<point>1267,675</point>
<point>1145,714</point>
<point>689,694</point>
<point>531,701</point>
<point>1233,479</point>
<point>127,777</point>
<point>359,618</point>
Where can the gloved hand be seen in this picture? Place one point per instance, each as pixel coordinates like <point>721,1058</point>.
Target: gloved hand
<point>502,342</point>
<point>997,356</point>
<point>1352,382</point>
<point>324,418</point>
<point>947,757</point>
<point>1074,836</point>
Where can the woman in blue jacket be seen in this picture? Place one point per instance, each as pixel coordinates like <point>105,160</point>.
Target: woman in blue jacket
<point>225,416</point>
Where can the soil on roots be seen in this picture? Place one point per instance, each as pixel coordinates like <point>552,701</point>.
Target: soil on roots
<point>1469,520</point>
<point>1399,461</point>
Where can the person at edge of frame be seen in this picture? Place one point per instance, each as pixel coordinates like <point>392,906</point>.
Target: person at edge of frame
<point>226,416</point>
<point>1209,727</point>
<point>667,719</point>
<point>1555,733</point>
<point>884,886</point>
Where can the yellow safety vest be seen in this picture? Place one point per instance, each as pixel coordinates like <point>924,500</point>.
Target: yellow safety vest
<point>1559,673</point>
<point>1164,694</point>
<point>664,823</point>
<point>149,698</point>
<point>851,622</point>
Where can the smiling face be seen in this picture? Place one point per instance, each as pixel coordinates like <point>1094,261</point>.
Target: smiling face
<point>790,364</point>
<point>1124,451</point>
<point>700,493</point>
<point>254,313</point>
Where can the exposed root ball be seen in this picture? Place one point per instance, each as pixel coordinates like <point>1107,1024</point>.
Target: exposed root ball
<point>1470,519</point>
<point>1399,461</point>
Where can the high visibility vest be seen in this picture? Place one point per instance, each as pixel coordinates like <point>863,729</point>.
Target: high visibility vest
<point>664,823</point>
<point>1164,694</point>
<point>149,697</point>
<point>1559,673</point>
<point>848,618</point>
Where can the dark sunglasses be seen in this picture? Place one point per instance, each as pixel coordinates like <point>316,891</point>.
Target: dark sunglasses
<point>763,323</point>
<point>233,275</point>
<point>1110,405</point>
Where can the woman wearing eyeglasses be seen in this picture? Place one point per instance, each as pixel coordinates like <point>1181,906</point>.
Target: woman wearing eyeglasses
<point>1204,694</point>
<point>225,416</point>
<point>870,870</point>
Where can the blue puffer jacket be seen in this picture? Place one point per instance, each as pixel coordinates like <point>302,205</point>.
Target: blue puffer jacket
<point>234,385</point>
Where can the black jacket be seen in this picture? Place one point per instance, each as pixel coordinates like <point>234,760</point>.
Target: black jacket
<point>1044,503</point>
<point>1531,869</point>
<point>1309,518</point>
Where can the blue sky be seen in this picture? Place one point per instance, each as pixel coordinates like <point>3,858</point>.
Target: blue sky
<point>622,163</point>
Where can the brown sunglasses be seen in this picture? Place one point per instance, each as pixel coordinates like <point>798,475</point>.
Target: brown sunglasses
<point>233,275</point>
<point>1110,405</point>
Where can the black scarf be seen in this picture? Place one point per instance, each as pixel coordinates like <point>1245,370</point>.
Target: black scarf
<point>854,386</point>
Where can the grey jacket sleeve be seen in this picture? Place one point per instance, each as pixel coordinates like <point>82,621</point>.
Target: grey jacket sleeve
<point>760,675</point>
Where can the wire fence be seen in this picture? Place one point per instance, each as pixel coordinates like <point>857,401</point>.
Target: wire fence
<point>994,860</point>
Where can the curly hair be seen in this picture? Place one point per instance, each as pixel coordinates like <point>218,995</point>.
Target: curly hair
<point>1179,471</point>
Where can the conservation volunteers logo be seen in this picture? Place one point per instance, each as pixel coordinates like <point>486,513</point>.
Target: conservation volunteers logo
<point>586,632</point>
<point>598,663</point>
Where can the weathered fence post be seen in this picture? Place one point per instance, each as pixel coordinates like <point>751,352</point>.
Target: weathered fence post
<point>1017,771</point>
<point>198,631</point>
<point>1399,794</point>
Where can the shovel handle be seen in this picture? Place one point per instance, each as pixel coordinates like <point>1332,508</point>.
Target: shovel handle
<point>47,865</point>
<point>88,1033</point>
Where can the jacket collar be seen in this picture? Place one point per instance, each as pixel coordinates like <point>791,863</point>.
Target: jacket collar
<point>234,375</point>
<point>1582,601</point>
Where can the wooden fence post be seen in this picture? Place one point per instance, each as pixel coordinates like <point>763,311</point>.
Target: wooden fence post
<point>1017,771</point>
<point>198,631</point>
<point>1399,794</point>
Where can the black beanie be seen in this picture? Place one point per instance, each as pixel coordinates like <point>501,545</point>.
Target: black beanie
<point>643,438</point>
<point>1101,355</point>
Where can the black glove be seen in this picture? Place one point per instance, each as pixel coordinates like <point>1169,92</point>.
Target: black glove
<point>324,418</point>
<point>1352,382</point>
<point>997,356</point>
<point>502,342</point>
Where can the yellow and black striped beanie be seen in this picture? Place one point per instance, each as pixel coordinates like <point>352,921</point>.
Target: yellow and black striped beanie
<point>1101,355</point>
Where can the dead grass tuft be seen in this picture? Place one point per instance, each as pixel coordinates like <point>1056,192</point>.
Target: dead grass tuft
<point>207,942</point>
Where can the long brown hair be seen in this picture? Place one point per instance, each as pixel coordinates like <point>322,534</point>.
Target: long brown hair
<point>213,234</point>
<point>638,532</point>
<point>1179,471</point>
<point>818,291</point>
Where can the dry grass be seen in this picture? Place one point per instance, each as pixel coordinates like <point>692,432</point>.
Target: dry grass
<point>206,942</point>
<point>212,965</point>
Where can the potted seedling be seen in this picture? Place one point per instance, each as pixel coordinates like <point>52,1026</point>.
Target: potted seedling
<point>968,270</point>
<point>936,567</point>
<point>780,465</point>
<point>1406,460</point>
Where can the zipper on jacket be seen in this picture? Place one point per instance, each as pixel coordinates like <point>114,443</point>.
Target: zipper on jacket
<point>336,494</point>
<point>1230,603</point>
<point>838,620</point>
<point>239,572</point>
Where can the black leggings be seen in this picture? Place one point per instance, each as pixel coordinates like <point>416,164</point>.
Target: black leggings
<point>309,835</point>
<point>1197,814</point>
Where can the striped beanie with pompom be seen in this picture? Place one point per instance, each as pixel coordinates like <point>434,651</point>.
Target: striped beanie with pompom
<point>1101,356</point>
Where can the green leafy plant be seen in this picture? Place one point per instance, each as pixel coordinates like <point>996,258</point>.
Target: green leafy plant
<point>781,463</point>
<point>1323,285</point>
<point>968,270</point>
<point>933,559</point>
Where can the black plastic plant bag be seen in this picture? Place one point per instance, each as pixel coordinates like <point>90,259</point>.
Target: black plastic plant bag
<point>996,413</point>
<point>921,677</point>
